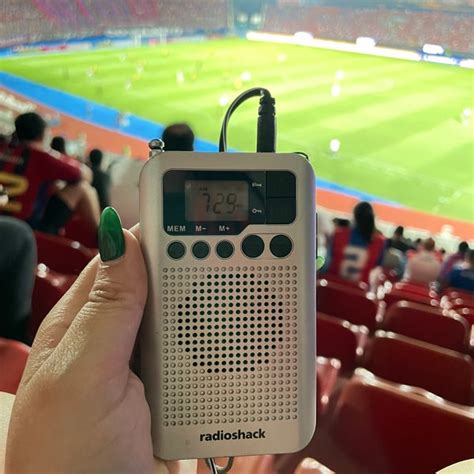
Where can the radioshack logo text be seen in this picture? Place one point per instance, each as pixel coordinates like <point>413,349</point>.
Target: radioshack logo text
<point>221,436</point>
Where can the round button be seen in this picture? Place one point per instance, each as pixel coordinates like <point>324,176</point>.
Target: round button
<point>176,250</point>
<point>253,246</point>
<point>281,246</point>
<point>225,249</point>
<point>201,249</point>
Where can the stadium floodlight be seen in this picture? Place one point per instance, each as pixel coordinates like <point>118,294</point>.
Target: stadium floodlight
<point>303,37</point>
<point>365,42</point>
<point>433,49</point>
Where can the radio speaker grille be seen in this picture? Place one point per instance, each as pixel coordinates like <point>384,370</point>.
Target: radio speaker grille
<point>230,340</point>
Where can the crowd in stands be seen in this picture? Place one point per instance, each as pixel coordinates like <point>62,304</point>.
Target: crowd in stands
<point>368,284</point>
<point>23,21</point>
<point>358,252</point>
<point>388,27</point>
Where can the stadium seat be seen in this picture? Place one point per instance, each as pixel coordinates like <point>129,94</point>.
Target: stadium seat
<point>407,361</point>
<point>416,289</point>
<point>61,254</point>
<point>13,357</point>
<point>327,371</point>
<point>340,339</point>
<point>396,295</point>
<point>49,287</point>
<point>356,285</point>
<point>433,325</point>
<point>348,304</point>
<point>393,429</point>
<point>77,229</point>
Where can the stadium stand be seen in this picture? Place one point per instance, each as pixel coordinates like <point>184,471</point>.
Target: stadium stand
<point>393,400</point>
<point>448,330</point>
<point>394,27</point>
<point>348,304</point>
<point>393,429</point>
<point>35,20</point>
<point>408,361</point>
<point>13,357</point>
<point>50,286</point>
<point>341,340</point>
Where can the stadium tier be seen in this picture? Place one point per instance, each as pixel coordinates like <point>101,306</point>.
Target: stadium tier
<point>379,97</point>
<point>387,26</point>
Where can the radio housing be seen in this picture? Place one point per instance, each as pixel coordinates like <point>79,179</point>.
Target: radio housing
<point>227,343</point>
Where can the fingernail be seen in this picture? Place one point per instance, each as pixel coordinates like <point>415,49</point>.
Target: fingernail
<point>320,262</point>
<point>111,239</point>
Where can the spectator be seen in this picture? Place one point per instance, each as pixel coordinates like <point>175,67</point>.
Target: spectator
<point>355,251</point>
<point>452,261</point>
<point>178,137</point>
<point>59,144</point>
<point>462,277</point>
<point>31,170</point>
<point>397,241</point>
<point>101,179</point>
<point>17,266</point>
<point>424,265</point>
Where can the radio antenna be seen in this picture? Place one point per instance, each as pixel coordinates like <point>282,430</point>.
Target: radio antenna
<point>266,124</point>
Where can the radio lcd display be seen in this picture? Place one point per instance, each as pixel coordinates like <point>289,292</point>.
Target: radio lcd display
<point>216,201</point>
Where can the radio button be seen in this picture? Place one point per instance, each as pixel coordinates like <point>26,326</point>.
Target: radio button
<point>176,250</point>
<point>281,246</point>
<point>281,184</point>
<point>201,249</point>
<point>253,246</point>
<point>281,210</point>
<point>224,249</point>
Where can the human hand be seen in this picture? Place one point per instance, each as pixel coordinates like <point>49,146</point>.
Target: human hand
<point>79,407</point>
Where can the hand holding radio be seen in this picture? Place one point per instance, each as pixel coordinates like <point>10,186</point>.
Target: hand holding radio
<point>79,407</point>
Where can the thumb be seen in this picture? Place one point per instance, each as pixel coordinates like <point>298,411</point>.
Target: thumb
<point>105,328</point>
<point>311,466</point>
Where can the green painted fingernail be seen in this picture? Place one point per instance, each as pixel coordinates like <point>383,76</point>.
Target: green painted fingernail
<point>320,262</point>
<point>111,239</point>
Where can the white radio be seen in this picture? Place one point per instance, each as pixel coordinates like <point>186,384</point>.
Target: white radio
<point>228,336</point>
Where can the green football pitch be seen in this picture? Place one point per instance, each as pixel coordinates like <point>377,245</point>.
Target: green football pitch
<point>402,129</point>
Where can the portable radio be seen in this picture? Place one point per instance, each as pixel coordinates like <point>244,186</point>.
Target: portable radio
<point>228,336</point>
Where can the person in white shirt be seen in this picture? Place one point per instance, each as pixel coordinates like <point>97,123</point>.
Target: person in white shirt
<point>424,266</point>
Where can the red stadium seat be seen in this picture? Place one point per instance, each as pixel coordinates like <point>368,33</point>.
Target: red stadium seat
<point>356,285</point>
<point>416,289</point>
<point>433,325</point>
<point>340,339</point>
<point>77,229</point>
<point>407,361</point>
<point>13,357</point>
<point>49,287</point>
<point>392,429</point>
<point>61,254</point>
<point>347,303</point>
<point>396,295</point>
<point>327,371</point>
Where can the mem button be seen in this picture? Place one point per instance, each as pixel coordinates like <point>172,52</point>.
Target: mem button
<point>281,210</point>
<point>176,250</point>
